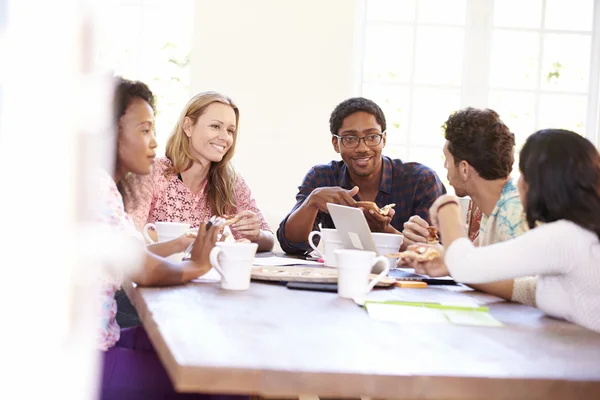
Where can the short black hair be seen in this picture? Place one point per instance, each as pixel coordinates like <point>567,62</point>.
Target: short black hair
<point>480,138</point>
<point>562,173</point>
<point>352,105</point>
<point>126,91</point>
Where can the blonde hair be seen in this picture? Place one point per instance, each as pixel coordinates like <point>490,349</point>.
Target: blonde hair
<point>221,175</point>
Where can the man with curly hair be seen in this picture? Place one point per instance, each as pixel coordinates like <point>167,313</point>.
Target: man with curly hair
<point>358,134</point>
<point>479,152</point>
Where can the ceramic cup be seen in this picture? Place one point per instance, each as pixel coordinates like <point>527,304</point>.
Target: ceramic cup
<point>331,242</point>
<point>354,270</point>
<point>233,261</point>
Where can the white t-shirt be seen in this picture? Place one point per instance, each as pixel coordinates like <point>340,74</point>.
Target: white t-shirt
<point>565,257</point>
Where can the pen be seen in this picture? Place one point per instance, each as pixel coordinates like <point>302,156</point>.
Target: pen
<point>187,252</point>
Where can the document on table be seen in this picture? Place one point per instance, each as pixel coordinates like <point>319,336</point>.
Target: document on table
<point>426,313</point>
<point>276,261</point>
<point>427,306</point>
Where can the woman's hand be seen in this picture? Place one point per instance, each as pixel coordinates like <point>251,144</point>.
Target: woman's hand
<point>248,226</point>
<point>182,242</point>
<point>205,241</point>
<point>433,268</point>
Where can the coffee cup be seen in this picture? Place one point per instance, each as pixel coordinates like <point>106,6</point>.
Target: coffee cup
<point>331,242</point>
<point>167,231</point>
<point>354,270</point>
<point>233,261</point>
<point>387,243</point>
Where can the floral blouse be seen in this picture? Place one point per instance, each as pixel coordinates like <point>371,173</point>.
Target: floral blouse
<point>111,214</point>
<point>163,197</point>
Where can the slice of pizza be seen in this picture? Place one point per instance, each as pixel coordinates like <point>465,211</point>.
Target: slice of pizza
<point>370,205</point>
<point>432,238</point>
<point>419,254</point>
<point>230,219</point>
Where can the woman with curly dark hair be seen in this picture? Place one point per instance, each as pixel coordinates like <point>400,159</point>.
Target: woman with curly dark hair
<point>560,192</point>
<point>131,368</point>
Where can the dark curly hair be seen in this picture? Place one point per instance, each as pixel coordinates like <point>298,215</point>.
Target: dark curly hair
<point>352,105</point>
<point>480,138</point>
<point>126,91</point>
<point>562,173</point>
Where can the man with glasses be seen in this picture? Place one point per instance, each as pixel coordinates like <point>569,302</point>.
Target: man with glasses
<point>358,133</point>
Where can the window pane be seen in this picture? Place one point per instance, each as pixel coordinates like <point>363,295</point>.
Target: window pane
<point>434,159</point>
<point>563,111</point>
<point>388,53</point>
<point>450,12</point>
<point>518,13</point>
<point>395,102</point>
<point>517,110</point>
<point>566,62</point>
<point>439,55</point>
<point>165,54</point>
<point>395,151</point>
<point>391,10</point>
<point>574,15</point>
<point>514,60</point>
<point>119,46</point>
<point>431,108</point>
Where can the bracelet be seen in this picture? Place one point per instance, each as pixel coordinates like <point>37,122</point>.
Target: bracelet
<point>452,201</point>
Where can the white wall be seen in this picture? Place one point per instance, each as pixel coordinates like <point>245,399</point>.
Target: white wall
<point>284,116</point>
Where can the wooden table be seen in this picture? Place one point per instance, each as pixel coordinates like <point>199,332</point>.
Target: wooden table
<point>277,342</point>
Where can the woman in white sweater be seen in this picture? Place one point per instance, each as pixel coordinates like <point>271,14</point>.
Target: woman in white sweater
<point>560,192</point>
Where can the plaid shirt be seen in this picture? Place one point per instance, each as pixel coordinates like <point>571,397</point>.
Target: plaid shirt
<point>411,186</point>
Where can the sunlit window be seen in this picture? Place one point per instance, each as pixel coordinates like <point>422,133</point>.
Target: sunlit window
<point>150,40</point>
<point>531,60</point>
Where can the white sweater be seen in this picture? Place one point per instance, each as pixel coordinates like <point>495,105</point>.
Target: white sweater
<point>565,256</point>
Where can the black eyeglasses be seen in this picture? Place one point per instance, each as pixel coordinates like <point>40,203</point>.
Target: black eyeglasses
<point>372,140</point>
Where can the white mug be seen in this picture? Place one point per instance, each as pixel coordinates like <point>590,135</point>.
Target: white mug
<point>233,261</point>
<point>167,231</point>
<point>331,242</point>
<point>387,243</point>
<point>354,270</point>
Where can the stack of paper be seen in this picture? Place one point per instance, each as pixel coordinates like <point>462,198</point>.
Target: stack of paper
<point>433,306</point>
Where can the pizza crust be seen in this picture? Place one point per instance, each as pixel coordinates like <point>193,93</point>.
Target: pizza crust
<point>230,219</point>
<point>432,238</point>
<point>420,254</point>
<point>370,205</point>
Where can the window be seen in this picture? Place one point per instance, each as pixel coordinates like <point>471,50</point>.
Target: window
<point>530,60</point>
<point>150,40</point>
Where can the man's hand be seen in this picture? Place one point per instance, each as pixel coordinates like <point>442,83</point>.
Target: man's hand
<point>415,230</point>
<point>336,195</point>
<point>378,222</point>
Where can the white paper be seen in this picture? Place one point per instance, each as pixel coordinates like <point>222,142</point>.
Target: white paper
<point>395,313</point>
<point>414,314</point>
<point>428,295</point>
<point>276,261</point>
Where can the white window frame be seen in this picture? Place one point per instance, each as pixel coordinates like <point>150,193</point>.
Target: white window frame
<point>475,88</point>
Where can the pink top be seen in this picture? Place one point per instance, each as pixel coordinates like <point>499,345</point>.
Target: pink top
<point>165,198</point>
<point>111,214</point>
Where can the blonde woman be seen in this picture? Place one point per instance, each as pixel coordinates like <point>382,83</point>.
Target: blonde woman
<point>196,179</point>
